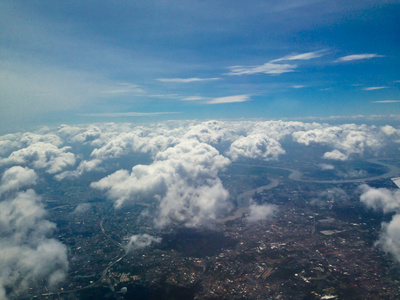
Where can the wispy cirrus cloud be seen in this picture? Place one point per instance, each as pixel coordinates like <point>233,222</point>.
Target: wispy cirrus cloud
<point>186,80</point>
<point>274,68</point>
<point>386,101</point>
<point>358,57</point>
<point>373,88</point>
<point>128,114</point>
<point>123,88</point>
<point>195,98</point>
<point>230,99</point>
<point>302,56</point>
<point>267,68</point>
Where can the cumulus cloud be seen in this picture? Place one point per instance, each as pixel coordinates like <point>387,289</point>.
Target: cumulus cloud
<point>140,241</point>
<point>385,200</point>
<point>82,208</point>
<point>42,155</point>
<point>28,253</point>
<point>326,167</point>
<point>390,237</point>
<point>380,199</point>
<point>261,212</point>
<point>279,129</point>
<point>183,179</point>
<point>88,135</point>
<point>347,139</point>
<point>213,132</point>
<point>10,142</point>
<point>389,130</point>
<point>256,146</point>
<point>17,177</point>
<point>135,140</point>
<point>335,155</point>
<point>84,166</point>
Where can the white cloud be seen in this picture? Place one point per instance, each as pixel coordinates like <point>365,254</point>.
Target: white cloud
<point>374,88</point>
<point>389,239</point>
<point>386,101</point>
<point>140,241</point>
<point>267,68</point>
<point>279,129</point>
<point>274,68</point>
<point>302,56</point>
<point>17,177</point>
<point>183,180</point>
<point>256,146</point>
<point>89,134</point>
<point>326,166</point>
<point>11,142</point>
<point>347,139</point>
<point>137,139</point>
<point>28,254</point>
<point>358,57</point>
<point>194,98</point>
<point>84,166</point>
<point>82,208</point>
<point>42,156</point>
<point>213,132</point>
<point>336,155</point>
<point>230,99</point>
<point>129,114</point>
<point>186,80</point>
<point>30,138</point>
<point>261,212</point>
<point>388,201</point>
<point>380,199</point>
<point>390,130</point>
<point>123,88</point>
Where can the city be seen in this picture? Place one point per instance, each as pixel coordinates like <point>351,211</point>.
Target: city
<point>318,245</point>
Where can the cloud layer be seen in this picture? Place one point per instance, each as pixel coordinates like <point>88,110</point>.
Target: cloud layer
<point>182,179</point>
<point>261,212</point>
<point>28,253</point>
<point>183,158</point>
<point>140,241</point>
<point>388,201</point>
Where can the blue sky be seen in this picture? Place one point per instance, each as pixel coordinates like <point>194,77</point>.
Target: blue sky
<point>83,61</point>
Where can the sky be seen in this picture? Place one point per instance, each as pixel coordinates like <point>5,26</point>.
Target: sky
<point>88,61</point>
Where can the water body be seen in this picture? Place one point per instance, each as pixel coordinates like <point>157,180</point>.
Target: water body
<point>244,198</point>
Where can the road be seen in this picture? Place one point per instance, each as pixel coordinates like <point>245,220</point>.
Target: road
<point>104,273</point>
